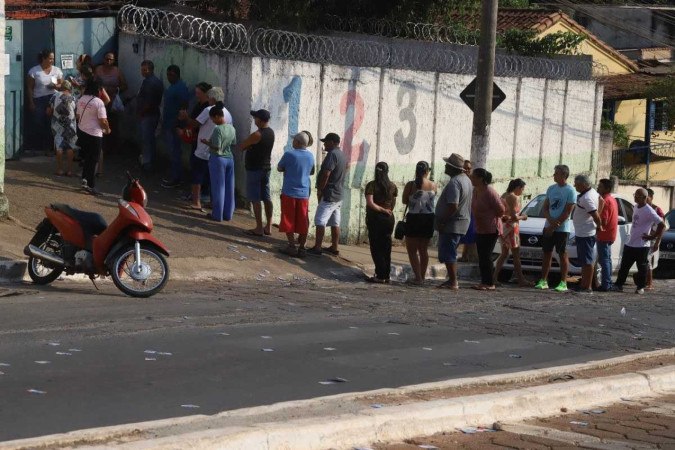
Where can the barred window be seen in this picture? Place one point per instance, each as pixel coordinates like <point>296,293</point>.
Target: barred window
<point>661,116</point>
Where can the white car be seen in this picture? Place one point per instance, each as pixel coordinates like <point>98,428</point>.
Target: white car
<point>532,230</point>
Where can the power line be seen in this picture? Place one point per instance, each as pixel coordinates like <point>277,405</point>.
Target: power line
<point>619,24</point>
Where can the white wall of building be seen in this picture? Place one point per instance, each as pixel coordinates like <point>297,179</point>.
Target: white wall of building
<point>397,116</point>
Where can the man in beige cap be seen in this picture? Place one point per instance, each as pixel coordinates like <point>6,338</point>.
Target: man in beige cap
<point>453,215</point>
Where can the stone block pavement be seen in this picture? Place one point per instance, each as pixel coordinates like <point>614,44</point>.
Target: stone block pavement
<point>631,424</point>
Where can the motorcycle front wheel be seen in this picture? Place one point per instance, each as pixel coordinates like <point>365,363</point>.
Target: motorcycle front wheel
<point>142,280</point>
<point>42,272</point>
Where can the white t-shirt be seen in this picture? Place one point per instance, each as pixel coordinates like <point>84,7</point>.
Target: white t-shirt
<point>89,110</point>
<point>584,226</point>
<point>643,220</point>
<point>206,130</point>
<point>42,80</point>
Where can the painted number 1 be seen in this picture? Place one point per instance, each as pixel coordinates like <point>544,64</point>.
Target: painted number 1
<point>292,97</point>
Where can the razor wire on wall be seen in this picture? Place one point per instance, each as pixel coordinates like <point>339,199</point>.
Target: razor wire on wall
<point>428,32</point>
<point>348,51</point>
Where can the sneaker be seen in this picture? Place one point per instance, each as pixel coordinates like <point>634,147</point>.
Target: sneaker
<point>170,184</point>
<point>84,183</point>
<point>584,291</point>
<point>639,291</point>
<point>562,287</point>
<point>314,252</point>
<point>93,191</point>
<point>541,284</point>
<point>616,288</point>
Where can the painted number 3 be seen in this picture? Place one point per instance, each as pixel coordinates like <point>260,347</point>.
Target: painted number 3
<point>406,143</point>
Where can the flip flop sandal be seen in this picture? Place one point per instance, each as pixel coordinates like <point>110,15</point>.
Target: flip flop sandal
<point>194,208</point>
<point>331,251</point>
<point>448,285</point>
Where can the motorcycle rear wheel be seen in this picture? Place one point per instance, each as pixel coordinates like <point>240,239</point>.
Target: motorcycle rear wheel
<point>37,270</point>
<point>154,271</point>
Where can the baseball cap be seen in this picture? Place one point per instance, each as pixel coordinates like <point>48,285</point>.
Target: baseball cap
<point>261,114</point>
<point>331,137</point>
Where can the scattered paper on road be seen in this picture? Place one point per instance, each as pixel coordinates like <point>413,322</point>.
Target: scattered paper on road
<point>623,311</point>
<point>353,328</point>
<point>165,353</point>
<point>471,342</point>
<point>427,348</point>
<point>473,430</point>
<point>329,349</point>
<point>64,353</point>
<point>515,355</point>
<point>151,359</point>
<point>150,352</point>
<point>429,446</point>
<point>224,334</point>
<point>74,350</point>
<point>266,337</point>
<point>54,344</point>
<point>377,405</point>
<point>5,364</point>
<point>189,406</point>
<point>267,349</point>
<point>393,334</point>
<point>579,423</point>
<point>36,391</point>
<point>42,362</point>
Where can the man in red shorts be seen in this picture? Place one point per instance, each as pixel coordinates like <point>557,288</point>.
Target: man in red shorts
<point>297,165</point>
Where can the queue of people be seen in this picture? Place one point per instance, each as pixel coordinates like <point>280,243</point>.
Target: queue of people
<point>69,116</point>
<point>468,210</point>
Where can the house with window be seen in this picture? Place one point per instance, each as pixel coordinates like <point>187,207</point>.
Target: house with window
<point>626,77</point>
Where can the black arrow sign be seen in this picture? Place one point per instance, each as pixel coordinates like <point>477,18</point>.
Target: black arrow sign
<point>468,95</point>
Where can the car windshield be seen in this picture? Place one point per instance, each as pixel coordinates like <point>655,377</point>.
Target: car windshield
<point>670,219</point>
<point>535,207</point>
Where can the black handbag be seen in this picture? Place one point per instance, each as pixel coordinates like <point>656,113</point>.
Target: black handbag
<point>399,230</point>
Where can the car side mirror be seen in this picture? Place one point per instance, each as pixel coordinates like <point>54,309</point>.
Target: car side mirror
<point>622,220</point>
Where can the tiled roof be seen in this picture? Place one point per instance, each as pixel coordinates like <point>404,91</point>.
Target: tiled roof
<point>38,9</point>
<point>522,19</point>
<point>628,86</point>
<point>540,20</point>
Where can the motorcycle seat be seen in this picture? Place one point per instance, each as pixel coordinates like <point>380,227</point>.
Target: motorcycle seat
<point>92,224</point>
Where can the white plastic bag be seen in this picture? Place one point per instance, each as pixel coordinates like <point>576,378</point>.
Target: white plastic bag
<point>117,104</point>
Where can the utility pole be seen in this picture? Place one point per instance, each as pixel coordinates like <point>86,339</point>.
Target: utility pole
<point>480,135</point>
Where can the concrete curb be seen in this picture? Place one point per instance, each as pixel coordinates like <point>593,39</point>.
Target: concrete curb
<point>12,271</point>
<point>362,425</point>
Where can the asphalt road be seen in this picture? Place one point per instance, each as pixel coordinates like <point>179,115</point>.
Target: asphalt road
<point>88,354</point>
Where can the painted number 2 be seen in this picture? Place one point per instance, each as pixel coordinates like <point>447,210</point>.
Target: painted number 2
<point>292,97</point>
<point>406,143</point>
<point>352,108</point>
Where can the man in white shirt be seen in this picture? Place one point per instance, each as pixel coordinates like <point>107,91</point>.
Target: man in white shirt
<point>200,163</point>
<point>642,234</point>
<point>586,219</point>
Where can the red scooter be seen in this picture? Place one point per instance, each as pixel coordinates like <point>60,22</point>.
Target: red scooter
<point>77,241</point>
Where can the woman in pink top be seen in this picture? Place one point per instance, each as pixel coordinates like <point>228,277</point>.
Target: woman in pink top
<point>488,209</point>
<point>93,124</point>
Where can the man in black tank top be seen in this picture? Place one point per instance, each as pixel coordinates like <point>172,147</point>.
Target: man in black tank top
<point>257,160</point>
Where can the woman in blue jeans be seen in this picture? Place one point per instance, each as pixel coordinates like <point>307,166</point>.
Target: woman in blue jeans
<point>221,165</point>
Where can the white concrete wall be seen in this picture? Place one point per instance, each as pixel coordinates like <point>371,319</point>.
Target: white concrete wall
<point>397,116</point>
